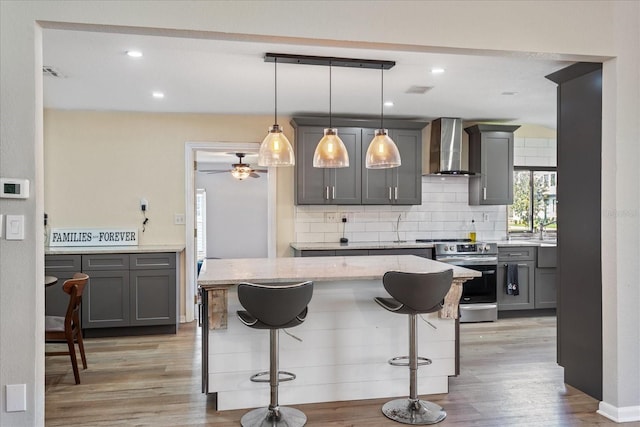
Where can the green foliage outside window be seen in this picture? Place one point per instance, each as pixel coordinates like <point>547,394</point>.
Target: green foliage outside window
<point>534,201</point>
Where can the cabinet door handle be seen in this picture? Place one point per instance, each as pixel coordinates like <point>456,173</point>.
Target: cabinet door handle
<point>333,192</point>
<point>326,191</point>
<point>390,198</point>
<point>396,192</point>
<point>484,193</point>
<point>519,265</point>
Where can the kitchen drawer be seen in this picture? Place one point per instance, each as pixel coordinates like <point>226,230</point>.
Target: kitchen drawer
<point>105,262</point>
<point>519,253</point>
<point>153,261</point>
<point>54,263</point>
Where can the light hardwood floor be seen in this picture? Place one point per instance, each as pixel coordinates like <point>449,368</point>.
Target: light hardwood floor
<point>508,378</point>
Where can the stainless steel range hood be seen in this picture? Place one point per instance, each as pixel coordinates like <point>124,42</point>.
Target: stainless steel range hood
<point>446,147</point>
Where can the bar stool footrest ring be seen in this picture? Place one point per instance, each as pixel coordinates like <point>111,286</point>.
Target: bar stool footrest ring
<point>395,361</point>
<point>282,377</point>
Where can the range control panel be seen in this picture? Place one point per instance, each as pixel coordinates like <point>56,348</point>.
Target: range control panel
<point>466,249</point>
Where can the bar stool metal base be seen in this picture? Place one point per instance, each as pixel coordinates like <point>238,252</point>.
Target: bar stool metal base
<point>264,417</point>
<point>415,412</point>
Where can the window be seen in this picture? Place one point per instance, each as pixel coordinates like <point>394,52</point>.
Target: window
<point>201,223</point>
<point>534,200</point>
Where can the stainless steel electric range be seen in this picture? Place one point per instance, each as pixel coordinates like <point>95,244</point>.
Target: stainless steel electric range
<point>479,295</point>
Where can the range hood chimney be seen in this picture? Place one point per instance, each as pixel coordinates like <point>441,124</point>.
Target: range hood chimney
<point>446,147</point>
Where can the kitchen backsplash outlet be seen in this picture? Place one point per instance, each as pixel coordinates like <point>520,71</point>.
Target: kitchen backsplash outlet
<point>444,213</point>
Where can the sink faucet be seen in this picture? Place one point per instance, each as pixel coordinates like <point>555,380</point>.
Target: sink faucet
<point>542,226</point>
<point>398,228</point>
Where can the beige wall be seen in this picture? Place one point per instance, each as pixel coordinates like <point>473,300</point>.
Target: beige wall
<point>98,165</point>
<point>581,29</point>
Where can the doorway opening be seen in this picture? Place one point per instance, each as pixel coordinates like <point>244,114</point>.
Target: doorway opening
<point>238,219</point>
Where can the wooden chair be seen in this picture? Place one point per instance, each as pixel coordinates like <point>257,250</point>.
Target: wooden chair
<point>67,328</point>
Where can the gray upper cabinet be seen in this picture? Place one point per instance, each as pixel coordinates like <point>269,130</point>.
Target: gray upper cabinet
<point>396,186</point>
<point>357,185</point>
<point>316,186</point>
<point>491,159</point>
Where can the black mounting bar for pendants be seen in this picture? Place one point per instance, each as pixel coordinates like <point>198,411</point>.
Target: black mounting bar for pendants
<point>328,60</point>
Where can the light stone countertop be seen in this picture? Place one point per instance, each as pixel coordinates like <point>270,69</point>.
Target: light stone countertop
<point>217,272</point>
<point>330,246</point>
<point>322,246</point>
<point>81,250</point>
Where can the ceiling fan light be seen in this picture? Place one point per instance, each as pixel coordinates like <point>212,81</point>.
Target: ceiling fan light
<point>241,172</point>
<point>331,151</point>
<point>276,150</point>
<point>382,152</point>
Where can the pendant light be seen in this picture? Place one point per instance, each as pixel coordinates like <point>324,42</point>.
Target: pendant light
<point>276,150</point>
<point>382,152</point>
<point>330,151</point>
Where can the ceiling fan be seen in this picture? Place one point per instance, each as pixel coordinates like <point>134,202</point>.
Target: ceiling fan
<point>240,170</point>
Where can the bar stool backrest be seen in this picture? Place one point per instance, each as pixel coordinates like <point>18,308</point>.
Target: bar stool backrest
<point>276,304</point>
<point>418,292</point>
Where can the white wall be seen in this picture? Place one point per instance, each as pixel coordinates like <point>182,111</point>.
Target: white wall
<point>594,29</point>
<point>237,223</point>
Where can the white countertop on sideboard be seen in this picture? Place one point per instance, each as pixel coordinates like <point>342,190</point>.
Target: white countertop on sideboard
<point>74,250</point>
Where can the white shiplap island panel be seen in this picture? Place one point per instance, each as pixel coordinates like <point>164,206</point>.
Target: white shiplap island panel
<point>347,337</point>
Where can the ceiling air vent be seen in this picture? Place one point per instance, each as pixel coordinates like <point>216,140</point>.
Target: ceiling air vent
<point>52,72</point>
<point>420,90</point>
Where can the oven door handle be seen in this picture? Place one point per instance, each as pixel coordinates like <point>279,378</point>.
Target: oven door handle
<point>488,272</point>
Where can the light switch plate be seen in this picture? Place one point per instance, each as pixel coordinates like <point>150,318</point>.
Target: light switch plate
<point>14,227</point>
<point>16,397</point>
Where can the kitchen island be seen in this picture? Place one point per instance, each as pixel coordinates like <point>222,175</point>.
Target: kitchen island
<point>346,339</point>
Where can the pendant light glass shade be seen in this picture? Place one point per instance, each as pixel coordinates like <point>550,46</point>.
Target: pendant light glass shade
<point>276,150</point>
<point>331,151</point>
<point>382,152</point>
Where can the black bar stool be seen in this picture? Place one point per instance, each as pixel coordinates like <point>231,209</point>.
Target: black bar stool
<point>274,306</point>
<point>414,293</point>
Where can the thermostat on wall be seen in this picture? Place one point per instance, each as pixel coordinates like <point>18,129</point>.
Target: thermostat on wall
<point>13,188</point>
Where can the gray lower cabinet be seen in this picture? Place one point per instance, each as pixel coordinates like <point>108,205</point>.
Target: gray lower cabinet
<point>546,288</point>
<point>63,267</point>
<point>105,302</point>
<point>124,290</point>
<point>421,252</point>
<point>524,258</point>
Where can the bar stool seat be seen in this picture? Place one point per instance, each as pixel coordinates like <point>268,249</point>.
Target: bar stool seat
<point>274,306</point>
<point>413,294</point>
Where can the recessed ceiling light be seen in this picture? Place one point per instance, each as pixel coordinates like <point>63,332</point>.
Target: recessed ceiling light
<point>509,93</point>
<point>437,70</point>
<point>388,103</point>
<point>158,95</point>
<point>134,53</point>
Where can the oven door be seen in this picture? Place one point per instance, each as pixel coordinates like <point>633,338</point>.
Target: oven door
<point>480,289</point>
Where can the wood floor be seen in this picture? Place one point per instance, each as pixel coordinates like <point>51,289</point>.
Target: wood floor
<point>508,378</point>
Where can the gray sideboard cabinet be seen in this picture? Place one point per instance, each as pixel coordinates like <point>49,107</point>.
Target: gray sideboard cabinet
<point>395,186</point>
<point>63,267</point>
<point>316,186</point>
<point>127,293</point>
<point>491,159</point>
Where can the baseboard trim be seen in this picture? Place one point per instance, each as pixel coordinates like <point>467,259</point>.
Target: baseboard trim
<point>625,414</point>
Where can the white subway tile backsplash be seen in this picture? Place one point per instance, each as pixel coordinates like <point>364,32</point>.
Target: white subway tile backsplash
<point>444,212</point>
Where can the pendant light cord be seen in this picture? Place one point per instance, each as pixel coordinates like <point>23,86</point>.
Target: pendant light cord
<point>330,127</point>
<point>381,96</point>
<point>275,97</point>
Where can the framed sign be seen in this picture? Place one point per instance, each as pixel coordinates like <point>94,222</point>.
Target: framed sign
<point>93,237</point>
